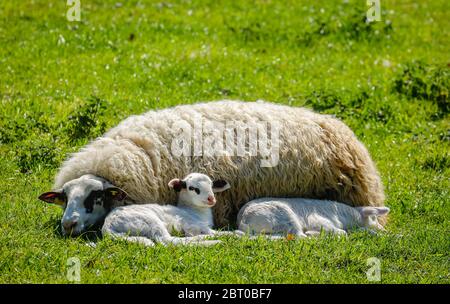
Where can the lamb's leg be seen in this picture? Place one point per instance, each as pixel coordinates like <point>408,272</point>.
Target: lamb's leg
<point>312,233</point>
<point>139,229</point>
<point>161,235</point>
<point>334,230</point>
<point>275,221</point>
<point>267,236</point>
<point>198,240</point>
<point>147,228</point>
<point>222,233</point>
<point>319,223</point>
<point>192,229</point>
<point>330,228</point>
<point>134,239</point>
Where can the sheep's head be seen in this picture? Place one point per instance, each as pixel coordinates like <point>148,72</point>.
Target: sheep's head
<point>198,190</point>
<point>85,200</point>
<point>370,216</point>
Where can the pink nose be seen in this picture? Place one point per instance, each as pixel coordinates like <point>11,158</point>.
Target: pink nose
<point>211,200</point>
<point>69,225</point>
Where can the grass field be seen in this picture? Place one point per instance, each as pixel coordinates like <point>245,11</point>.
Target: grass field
<point>63,83</point>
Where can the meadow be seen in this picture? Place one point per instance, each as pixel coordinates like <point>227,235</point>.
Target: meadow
<point>64,83</point>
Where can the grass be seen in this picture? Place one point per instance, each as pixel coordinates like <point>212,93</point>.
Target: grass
<point>63,83</point>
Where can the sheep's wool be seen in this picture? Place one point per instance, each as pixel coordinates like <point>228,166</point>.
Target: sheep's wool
<point>319,157</point>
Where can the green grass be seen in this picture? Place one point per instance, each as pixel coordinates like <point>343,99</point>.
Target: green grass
<point>63,83</point>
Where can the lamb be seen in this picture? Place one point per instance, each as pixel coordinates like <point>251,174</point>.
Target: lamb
<point>318,157</point>
<point>305,217</point>
<point>152,222</point>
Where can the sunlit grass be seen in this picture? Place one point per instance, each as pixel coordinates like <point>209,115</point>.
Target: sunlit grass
<point>389,81</point>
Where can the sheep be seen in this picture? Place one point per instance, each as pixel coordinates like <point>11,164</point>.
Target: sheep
<point>305,217</point>
<point>317,156</point>
<point>192,216</point>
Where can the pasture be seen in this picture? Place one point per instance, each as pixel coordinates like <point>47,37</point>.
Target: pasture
<point>64,83</point>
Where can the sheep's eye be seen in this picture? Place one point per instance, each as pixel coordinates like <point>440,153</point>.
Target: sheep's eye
<point>197,190</point>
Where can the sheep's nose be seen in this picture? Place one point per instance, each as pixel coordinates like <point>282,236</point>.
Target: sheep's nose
<point>211,200</point>
<point>69,225</point>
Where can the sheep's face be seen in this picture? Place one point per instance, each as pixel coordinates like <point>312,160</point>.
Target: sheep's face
<point>85,200</point>
<point>198,190</point>
<point>370,216</point>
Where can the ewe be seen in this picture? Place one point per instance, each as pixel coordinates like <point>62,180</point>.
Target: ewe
<point>303,217</point>
<point>152,222</point>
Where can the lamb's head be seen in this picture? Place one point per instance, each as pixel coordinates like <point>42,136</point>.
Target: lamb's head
<point>370,216</point>
<point>85,200</point>
<point>198,190</point>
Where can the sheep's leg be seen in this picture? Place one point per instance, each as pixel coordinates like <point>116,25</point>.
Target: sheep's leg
<point>221,233</point>
<point>163,236</point>
<point>312,233</point>
<point>147,228</point>
<point>197,240</point>
<point>192,229</point>
<point>268,236</point>
<point>140,240</point>
<point>140,229</point>
<point>318,223</point>
<point>297,230</point>
<point>332,229</point>
<point>158,232</point>
<point>286,222</point>
<point>133,239</point>
<point>292,226</point>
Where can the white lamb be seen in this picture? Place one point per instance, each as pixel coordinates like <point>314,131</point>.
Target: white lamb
<point>152,222</point>
<point>305,217</point>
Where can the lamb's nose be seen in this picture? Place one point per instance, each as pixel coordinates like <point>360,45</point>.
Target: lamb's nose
<point>211,199</point>
<point>69,225</point>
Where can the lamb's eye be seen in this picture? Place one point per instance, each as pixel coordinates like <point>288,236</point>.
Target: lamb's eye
<point>197,190</point>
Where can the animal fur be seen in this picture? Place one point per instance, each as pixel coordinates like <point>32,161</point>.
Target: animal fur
<point>302,217</point>
<point>319,157</point>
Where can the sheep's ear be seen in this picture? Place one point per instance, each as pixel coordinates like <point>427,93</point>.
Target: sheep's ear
<point>382,210</point>
<point>54,197</point>
<point>177,184</point>
<point>378,211</point>
<point>220,185</point>
<point>115,193</point>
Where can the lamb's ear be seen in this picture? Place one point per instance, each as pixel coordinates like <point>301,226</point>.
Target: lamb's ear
<point>56,197</point>
<point>115,193</point>
<point>177,184</point>
<point>382,210</point>
<point>368,211</point>
<point>220,185</point>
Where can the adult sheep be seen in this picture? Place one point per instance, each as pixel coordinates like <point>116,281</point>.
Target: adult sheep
<point>318,157</point>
